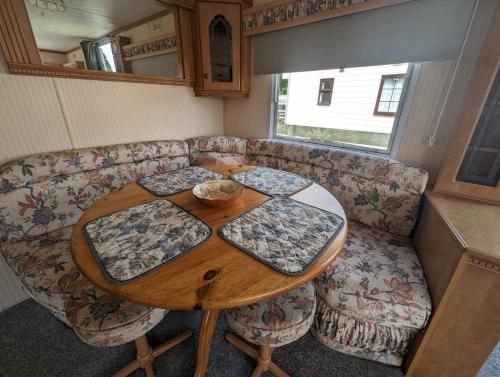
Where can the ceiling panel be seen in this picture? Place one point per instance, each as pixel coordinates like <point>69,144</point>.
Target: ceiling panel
<point>86,19</point>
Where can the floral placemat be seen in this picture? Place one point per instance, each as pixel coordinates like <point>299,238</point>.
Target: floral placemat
<point>177,181</point>
<point>287,235</point>
<point>132,242</point>
<point>272,181</point>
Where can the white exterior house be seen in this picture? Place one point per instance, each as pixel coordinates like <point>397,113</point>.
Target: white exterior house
<point>354,96</point>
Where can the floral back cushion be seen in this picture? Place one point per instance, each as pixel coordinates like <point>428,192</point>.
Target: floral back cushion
<point>55,191</point>
<point>41,167</point>
<point>378,192</point>
<point>201,148</point>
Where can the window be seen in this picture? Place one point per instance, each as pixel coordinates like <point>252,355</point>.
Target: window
<point>325,92</point>
<point>107,57</point>
<point>389,93</point>
<point>302,112</point>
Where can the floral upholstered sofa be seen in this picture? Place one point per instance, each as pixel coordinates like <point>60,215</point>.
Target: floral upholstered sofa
<point>41,197</point>
<point>371,301</point>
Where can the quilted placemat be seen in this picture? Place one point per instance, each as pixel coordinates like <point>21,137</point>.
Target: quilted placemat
<point>272,181</point>
<point>283,233</point>
<point>132,242</point>
<point>177,181</point>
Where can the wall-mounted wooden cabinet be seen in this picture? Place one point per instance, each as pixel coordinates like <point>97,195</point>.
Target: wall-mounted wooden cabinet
<point>472,167</point>
<point>222,54</point>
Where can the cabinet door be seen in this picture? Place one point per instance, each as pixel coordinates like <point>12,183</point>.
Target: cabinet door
<point>220,39</point>
<point>472,167</point>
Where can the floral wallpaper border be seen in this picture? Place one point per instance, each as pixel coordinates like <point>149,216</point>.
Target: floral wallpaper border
<point>283,14</point>
<point>150,47</point>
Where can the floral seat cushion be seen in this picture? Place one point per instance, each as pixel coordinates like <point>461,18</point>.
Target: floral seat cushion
<point>102,320</point>
<point>278,321</point>
<point>45,268</point>
<point>377,276</point>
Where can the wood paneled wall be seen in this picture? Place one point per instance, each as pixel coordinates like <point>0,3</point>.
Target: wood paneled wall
<point>40,114</point>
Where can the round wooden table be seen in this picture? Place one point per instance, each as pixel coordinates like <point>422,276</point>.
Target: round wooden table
<point>214,276</point>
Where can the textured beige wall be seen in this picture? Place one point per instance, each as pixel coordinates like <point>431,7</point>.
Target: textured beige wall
<point>249,117</point>
<point>41,114</point>
<point>100,113</point>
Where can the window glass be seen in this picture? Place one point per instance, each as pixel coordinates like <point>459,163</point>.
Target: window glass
<point>107,57</point>
<point>325,92</point>
<point>337,106</point>
<point>391,87</point>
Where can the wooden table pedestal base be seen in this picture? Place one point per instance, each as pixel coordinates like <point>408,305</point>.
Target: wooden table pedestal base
<point>263,357</point>
<point>207,328</point>
<point>146,354</point>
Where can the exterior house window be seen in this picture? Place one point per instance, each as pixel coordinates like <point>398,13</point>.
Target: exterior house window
<point>389,93</point>
<point>325,92</point>
<point>302,112</point>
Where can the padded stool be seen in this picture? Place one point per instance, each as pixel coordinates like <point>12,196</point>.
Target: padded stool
<point>271,324</point>
<point>103,320</point>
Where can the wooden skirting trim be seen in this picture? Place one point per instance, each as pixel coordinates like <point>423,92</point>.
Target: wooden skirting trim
<point>282,14</point>
<point>54,71</point>
<point>488,265</point>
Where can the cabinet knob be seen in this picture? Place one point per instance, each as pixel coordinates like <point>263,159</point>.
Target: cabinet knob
<point>205,76</point>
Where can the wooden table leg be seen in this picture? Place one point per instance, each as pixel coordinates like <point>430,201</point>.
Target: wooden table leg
<point>207,327</point>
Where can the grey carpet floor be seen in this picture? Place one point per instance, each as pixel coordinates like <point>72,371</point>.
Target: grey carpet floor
<point>33,343</point>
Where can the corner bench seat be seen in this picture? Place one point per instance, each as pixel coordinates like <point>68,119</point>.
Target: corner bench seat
<point>373,299</point>
<point>41,198</point>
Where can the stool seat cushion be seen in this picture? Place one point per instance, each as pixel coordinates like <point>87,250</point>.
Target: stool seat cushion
<point>103,320</point>
<point>278,321</point>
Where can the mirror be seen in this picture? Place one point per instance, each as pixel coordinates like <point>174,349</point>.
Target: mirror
<point>221,55</point>
<point>119,40</point>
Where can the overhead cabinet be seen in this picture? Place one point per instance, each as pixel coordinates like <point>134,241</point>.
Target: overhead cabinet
<point>222,53</point>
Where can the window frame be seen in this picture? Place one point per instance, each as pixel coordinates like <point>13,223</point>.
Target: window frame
<point>332,80</point>
<point>380,88</point>
<point>394,139</point>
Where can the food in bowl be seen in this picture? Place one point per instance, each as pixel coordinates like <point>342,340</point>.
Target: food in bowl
<point>218,192</point>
